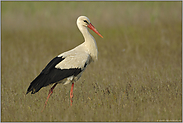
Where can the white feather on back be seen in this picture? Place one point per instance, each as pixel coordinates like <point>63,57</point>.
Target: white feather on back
<point>73,59</point>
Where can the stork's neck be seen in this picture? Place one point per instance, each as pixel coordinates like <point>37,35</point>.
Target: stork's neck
<point>90,43</point>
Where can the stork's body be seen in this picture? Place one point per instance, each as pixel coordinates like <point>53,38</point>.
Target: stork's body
<point>68,67</point>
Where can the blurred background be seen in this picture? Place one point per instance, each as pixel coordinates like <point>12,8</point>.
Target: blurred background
<point>137,76</point>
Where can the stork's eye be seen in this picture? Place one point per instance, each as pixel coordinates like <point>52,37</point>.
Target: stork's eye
<point>86,21</point>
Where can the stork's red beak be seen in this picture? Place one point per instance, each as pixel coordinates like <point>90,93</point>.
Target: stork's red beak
<point>93,28</point>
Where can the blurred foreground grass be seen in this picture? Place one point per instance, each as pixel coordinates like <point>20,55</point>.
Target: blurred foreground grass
<point>137,76</point>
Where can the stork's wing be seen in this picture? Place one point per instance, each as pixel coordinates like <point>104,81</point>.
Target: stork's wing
<point>58,69</point>
<point>74,60</point>
<point>52,64</point>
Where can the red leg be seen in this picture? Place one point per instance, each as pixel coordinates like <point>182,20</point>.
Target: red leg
<point>71,93</point>
<point>49,94</point>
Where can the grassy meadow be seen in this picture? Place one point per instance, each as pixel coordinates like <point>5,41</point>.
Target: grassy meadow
<point>138,75</point>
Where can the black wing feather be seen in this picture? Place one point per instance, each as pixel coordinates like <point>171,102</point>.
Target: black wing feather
<point>50,75</point>
<point>52,64</point>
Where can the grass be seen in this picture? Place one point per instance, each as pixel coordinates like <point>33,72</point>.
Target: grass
<point>138,74</point>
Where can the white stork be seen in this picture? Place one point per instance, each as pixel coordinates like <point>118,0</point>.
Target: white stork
<point>68,67</point>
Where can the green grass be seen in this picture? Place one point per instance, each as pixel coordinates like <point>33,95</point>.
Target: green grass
<point>137,76</point>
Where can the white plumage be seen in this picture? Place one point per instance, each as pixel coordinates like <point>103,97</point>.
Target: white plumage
<point>74,59</point>
<point>68,66</point>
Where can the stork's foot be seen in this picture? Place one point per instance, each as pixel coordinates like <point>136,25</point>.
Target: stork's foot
<point>49,94</point>
<point>71,93</point>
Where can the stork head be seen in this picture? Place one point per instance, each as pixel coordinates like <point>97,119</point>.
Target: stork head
<point>84,21</point>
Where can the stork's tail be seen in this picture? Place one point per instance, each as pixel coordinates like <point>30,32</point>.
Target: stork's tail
<point>37,83</point>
